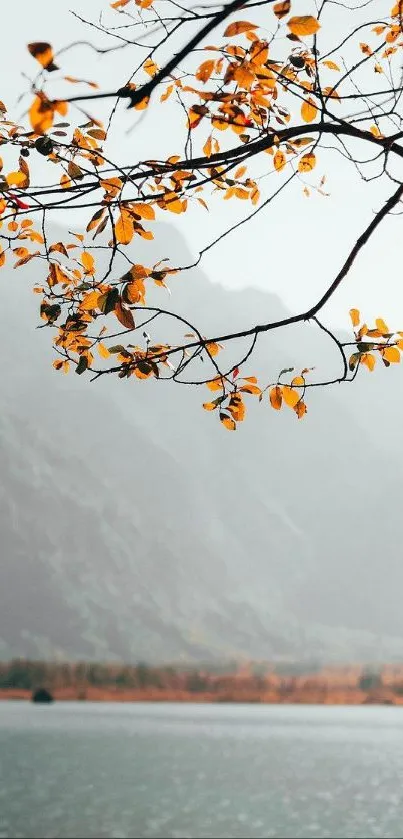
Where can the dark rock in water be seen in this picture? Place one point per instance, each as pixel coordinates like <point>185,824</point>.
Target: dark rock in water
<point>42,696</point>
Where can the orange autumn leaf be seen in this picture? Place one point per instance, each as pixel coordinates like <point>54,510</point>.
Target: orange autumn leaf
<point>290,396</point>
<point>307,162</point>
<point>144,211</point>
<point>331,65</point>
<point>150,67</point>
<point>300,409</point>
<point>90,301</point>
<point>279,160</point>
<point>282,9</point>
<point>124,229</point>
<point>391,354</point>
<point>236,407</point>
<point>382,326</point>
<point>213,348</point>
<point>124,316</point>
<point>276,397</point>
<point>103,351</point>
<point>43,53</point>
<point>355,317</point>
<point>369,360</point>
<point>41,114</point>
<point>205,70</point>
<point>215,384</point>
<point>228,422</point>
<point>309,110</point>
<point>238,27</point>
<point>87,261</point>
<point>304,25</point>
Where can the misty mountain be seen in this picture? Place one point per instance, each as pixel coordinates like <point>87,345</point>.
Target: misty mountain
<point>135,527</point>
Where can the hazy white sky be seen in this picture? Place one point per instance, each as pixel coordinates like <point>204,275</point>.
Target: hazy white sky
<point>294,248</point>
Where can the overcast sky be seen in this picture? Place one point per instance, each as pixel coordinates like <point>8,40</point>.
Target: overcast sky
<point>293,249</point>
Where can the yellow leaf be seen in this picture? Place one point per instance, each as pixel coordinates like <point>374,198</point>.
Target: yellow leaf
<point>209,406</point>
<point>103,351</point>
<point>391,354</point>
<point>375,131</point>
<point>65,182</point>
<point>150,67</point>
<point>228,422</point>
<point>207,148</point>
<point>244,76</point>
<point>307,162</point>
<point>309,110</point>
<point>281,9</point>
<point>90,301</point>
<point>305,25</point>
<point>381,325</point>
<point>213,348</point>
<point>331,65</point>
<point>290,396</point>
<point>2,257</point>
<point>41,114</point>
<point>124,230</point>
<point>241,193</point>
<point>238,27</point>
<point>17,179</point>
<point>172,203</point>
<point>369,360</point>
<point>276,397</point>
<point>298,381</point>
<point>279,160</point>
<point>112,186</point>
<point>355,316</point>
<point>87,260</point>
<point>215,384</point>
<point>167,93</point>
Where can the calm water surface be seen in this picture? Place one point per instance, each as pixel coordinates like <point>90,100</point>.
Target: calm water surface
<point>86,770</point>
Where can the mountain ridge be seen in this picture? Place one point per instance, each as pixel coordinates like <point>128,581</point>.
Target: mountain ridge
<point>135,527</point>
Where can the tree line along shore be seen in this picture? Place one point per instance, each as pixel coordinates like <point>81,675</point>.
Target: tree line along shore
<point>261,683</point>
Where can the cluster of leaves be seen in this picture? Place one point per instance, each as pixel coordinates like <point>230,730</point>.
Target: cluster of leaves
<point>377,341</point>
<point>266,88</point>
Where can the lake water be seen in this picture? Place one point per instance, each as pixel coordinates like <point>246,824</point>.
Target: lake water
<point>109,770</point>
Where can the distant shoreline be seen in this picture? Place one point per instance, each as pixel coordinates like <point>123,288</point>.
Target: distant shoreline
<point>249,683</point>
<point>310,697</point>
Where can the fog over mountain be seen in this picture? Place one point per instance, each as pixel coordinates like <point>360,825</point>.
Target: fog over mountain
<point>135,527</point>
